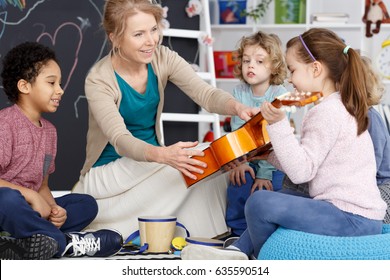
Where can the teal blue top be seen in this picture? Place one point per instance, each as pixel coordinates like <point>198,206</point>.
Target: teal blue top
<point>243,93</point>
<point>138,112</point>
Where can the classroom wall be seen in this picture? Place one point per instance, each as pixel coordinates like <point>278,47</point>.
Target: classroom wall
<point>72,28</point>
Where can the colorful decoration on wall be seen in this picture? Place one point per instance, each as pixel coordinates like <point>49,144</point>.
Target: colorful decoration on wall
<point>205,39</point>
<point>224,64</point>
<point>232,11</point>
<point>383,59</point>
<point>194,7</point>
<point>21,4</point>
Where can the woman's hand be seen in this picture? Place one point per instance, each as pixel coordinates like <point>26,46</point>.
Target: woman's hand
<point>237,175</point>
<point>236,108</point>
<point>57,216</point>
<point>270,113</point>
<point>246,113</point>
<point>180,156</point>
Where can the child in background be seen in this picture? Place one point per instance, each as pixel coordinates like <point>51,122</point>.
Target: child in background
<point>262,69</point>
<point>335,153</point>
<point>34,224</point>
<point>380,136</point>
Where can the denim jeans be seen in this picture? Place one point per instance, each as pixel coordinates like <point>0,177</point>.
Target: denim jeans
<point>237,197</point>
<point>21,221</point>
<point>265,211</point>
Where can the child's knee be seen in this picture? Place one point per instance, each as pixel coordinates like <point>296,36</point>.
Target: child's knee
<point>92,205</point>
<point>259,202</point>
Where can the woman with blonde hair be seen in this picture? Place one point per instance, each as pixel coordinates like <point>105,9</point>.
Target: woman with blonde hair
<point>127,168</point>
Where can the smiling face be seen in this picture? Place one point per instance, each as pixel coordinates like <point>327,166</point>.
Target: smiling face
<point>140,38</point>
<point>256,68</point>
<point>45,92</point>
<point>300,73</point>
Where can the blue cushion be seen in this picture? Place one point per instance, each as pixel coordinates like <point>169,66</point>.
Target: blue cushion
<point>287,244</point>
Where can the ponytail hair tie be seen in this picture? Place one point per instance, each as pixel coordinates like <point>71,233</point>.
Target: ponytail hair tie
<point>345,51</point>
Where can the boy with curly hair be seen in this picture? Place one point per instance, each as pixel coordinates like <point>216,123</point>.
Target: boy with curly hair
<point>34,224</point>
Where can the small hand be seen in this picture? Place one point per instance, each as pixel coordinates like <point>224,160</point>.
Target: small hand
<point>260,184</point>
<point>57,216</point>
<point>234,163</point>
<point>237,175</point>
<point>271,114</point>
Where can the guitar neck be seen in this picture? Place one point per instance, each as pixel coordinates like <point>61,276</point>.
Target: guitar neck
<point>298,99</point>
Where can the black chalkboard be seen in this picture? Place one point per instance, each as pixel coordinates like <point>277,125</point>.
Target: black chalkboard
<point>73,29</point>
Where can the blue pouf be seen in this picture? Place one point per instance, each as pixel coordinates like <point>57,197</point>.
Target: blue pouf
<point>286,244</point>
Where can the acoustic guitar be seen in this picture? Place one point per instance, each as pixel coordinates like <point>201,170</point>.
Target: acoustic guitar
<point>248,141</point>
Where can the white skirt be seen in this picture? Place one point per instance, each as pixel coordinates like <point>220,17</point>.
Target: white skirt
<point>126,189</point>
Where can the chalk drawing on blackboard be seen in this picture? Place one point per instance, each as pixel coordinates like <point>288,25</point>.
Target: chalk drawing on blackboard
<point>105,40</point>
<point>75,105</point>
<point>76,30</point>
<point>53,41</point>
<point>23,18</point>
<point>16,3</point>
<point>21,5</point>
<point>83,23</point>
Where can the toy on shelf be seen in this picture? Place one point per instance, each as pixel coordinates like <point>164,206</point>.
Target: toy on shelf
<point>375,12</point>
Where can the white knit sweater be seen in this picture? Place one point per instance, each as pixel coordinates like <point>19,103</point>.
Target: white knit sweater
<point>338,164</point>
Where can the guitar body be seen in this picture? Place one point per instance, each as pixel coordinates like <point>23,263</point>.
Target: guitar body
<point>248,141</point>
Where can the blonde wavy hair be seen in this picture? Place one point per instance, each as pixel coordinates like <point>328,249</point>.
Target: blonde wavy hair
<point>273,46</point>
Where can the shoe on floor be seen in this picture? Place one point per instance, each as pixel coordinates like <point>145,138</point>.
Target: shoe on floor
<point>230,241</point>
<point>36,247</point>
<point>200,252</point>
<point>100,243</point>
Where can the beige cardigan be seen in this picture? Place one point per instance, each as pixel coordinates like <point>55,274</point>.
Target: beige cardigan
<point>104,97</point>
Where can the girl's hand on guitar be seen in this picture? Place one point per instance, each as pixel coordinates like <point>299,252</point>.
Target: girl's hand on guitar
<point>271,114</point>
<point>261,184</point>
<point>237,175</point>
<point>179,156</point>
